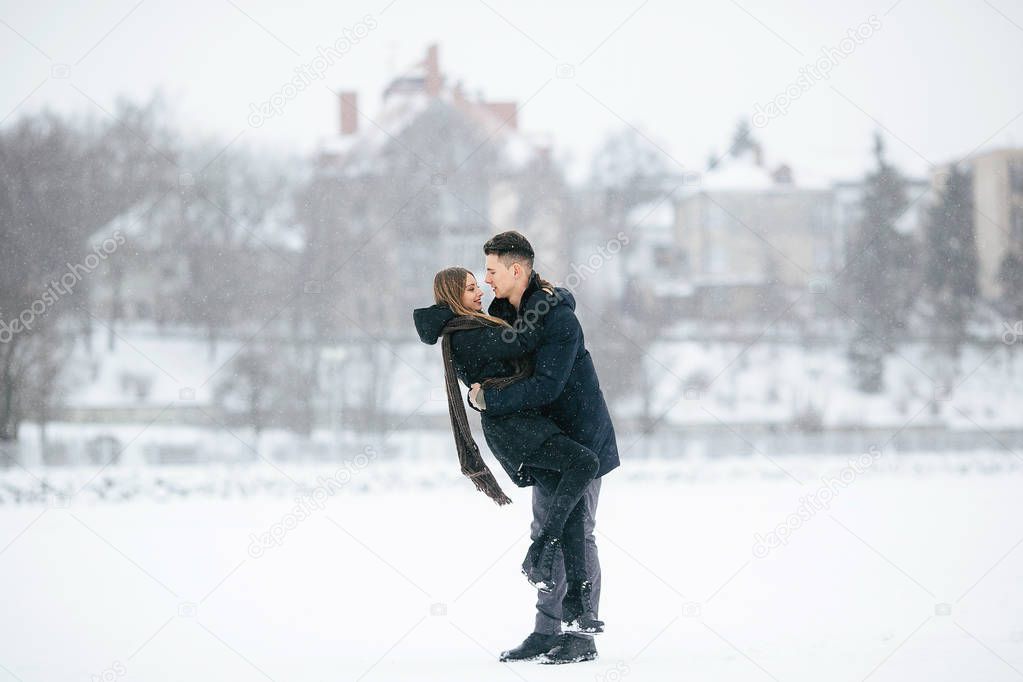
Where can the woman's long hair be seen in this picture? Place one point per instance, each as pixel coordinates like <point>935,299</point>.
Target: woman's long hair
<point>448,287</point>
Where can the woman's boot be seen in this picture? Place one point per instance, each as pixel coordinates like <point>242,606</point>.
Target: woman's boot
<point>577,610</point>
<point>538,566</point>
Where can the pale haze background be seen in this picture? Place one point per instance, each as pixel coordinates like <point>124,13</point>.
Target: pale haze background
<point>850,333</point>
<point>937,76</point>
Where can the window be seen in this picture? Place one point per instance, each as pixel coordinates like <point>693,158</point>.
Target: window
<point>1016,177</point>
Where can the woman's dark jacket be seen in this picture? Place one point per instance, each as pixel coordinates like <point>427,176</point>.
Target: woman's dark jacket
<point>479,354</point>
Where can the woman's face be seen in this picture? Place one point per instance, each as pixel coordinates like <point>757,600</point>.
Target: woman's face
<point>472,295</point>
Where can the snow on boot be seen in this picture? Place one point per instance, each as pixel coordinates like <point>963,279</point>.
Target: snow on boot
<point>577,610</point>
<point>538,566</point>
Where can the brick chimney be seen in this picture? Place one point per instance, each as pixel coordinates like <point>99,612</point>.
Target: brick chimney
<point>506,111</point>
<point>432,65</point>
<point>349,112</point>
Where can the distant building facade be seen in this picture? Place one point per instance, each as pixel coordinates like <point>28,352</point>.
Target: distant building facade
<point>747,233</point>
<point>430,121</point>
<point>997,177</point>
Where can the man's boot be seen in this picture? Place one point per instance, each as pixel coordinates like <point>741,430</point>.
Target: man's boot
<point>532,647</point>
<point>571,649</point>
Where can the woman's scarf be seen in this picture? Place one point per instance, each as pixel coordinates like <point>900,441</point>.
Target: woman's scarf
<point>469,456</point>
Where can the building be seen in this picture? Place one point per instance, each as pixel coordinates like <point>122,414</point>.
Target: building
<point>847,213</point>
<point>445,170</point>
<point>655,269</point>
<point>747,233</point>
<point>183,260</point>
<point>997,208</point>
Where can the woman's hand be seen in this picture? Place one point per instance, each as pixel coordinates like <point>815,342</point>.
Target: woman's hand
<point>474,392</point>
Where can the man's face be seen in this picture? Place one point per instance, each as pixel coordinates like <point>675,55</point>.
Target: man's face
<point>501,278</point>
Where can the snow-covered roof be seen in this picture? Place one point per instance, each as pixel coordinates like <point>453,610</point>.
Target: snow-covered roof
<point>131,224</point>
<point>141,225</point>
<point>740,174</point>
<point>400,110</point>
<point>397,113</point>
<point>405,100</point>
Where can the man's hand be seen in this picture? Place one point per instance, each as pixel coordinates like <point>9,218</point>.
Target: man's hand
<point>474,392</point>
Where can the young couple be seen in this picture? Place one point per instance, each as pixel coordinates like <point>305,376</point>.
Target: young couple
<point>545,420</point>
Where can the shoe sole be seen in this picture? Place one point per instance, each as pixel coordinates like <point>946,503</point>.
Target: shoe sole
<point>578,659</point>
<point>527,659</point>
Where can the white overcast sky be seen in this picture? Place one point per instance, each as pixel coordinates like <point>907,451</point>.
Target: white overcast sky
<point>942,76</point>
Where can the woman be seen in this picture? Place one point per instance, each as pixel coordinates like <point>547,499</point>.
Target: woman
<point>532,449</point>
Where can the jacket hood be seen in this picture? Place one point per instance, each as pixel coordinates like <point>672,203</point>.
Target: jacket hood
<point>563,297</point>
<point>430,321</point>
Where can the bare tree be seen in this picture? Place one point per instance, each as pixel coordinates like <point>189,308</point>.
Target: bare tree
<point>63,182</point>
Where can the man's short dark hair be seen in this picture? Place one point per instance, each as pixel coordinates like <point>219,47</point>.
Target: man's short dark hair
<point>510,247</point>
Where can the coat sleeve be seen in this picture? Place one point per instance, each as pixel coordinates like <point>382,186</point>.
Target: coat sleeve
<point>555,357</point>
<point>504,343</point>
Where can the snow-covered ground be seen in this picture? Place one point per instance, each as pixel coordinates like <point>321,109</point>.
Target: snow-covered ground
<point>693,382</point>
<point>393,571</point>
<point>769,382</point>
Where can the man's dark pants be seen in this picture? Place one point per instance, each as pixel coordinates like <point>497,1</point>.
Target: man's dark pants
<point>548,605</point>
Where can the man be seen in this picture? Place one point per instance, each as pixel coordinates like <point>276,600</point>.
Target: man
<point>565,388</point>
